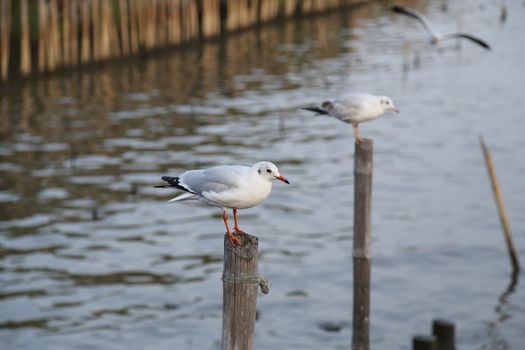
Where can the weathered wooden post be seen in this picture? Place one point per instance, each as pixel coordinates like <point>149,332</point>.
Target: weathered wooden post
<point>424,342</point>
<point>444,332</point>
<point>501,207</point>
<point>363,169</point>
<point>240,280</point>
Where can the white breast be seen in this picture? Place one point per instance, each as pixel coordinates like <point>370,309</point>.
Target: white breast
<point>249,193</point>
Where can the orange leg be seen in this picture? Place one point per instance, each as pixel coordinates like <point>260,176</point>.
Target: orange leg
<point>236,227</point>
<point>233,240</point>
<point>356,133</point>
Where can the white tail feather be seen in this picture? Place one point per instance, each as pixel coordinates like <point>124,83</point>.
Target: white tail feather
<point>182,197</point>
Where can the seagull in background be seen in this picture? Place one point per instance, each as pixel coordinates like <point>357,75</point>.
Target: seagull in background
<point>230,186</point>
<point>437,37</point>
<point>355,108</point>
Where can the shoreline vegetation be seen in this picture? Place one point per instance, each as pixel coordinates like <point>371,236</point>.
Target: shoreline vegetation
<point>41,36</point>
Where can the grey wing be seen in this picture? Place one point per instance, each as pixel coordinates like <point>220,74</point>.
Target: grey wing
<point>348,107</point>
<point>217,179</point>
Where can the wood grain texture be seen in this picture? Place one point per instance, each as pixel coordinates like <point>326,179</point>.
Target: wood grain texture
<point>363,170</point>
<point>240,282</point>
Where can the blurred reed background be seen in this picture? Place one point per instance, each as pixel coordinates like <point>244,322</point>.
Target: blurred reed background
<point>46,35</point>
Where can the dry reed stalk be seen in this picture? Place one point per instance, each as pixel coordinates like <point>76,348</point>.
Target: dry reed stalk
<point>56,41</point>
<point>86,33</point>
<point>5,8</point>
<point>190,21</point>
<point>153,23</point>
<point>169,22</point>
<point>105,31</point>
<point>232,19</point>
<point>243,14</point>
<point>139,17</point>
<point>25,45</point>
<point>210,17</point>
<point>125,30</point>
<point>73,45</point>
<point>95,21</point>
<point>289,8</point>
<point>42,36</point>
<point>162,23</point>
<point>133,27</point>
<point>114,40</point>
<point>145,22</point>
<point>66,32</point>
<point>306,6</point>
<point>175,23</point>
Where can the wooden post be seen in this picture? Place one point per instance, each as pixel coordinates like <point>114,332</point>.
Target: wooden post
<point>444,333</point>
<point>240,281</point>
<point>501,206</point>
<point>363,169</point>
<point>424,342</point>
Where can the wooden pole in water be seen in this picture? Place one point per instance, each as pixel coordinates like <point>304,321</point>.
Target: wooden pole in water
<point>501,206</point>
<point>424,342</point>
<point>240,281</point>
<point>363,170</point>
<point>444,332</point>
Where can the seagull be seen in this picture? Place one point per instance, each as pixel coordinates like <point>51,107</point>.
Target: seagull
<point>355,108</point>
<point>231,186</point>
<point>436,36</point>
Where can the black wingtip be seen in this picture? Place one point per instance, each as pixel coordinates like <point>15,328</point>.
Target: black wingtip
<point>172,180</point>
<point>314,109</point>
<point>397,8</point>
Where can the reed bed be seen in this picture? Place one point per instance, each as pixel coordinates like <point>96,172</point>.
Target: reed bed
<point>38,36</point>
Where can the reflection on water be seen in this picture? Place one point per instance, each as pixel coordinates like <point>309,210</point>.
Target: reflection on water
<point>92,256</point>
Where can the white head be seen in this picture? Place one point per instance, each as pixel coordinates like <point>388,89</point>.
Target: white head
<point>269,171</point>
<point>387,104</point>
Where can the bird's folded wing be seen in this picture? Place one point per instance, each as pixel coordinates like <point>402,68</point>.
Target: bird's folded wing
<point>346,107</point>
<point>217,179</point>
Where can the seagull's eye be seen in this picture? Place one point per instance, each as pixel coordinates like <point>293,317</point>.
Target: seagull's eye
<point>268,171</point>
<point>387,102</point>
<point>259,171</point>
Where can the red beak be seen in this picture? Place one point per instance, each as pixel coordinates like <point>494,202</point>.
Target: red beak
<point>283,179</point>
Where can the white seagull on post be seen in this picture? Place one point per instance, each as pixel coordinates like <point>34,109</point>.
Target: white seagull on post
<point>355,108</point>
<point>231,186</point>
<point>436,37</point>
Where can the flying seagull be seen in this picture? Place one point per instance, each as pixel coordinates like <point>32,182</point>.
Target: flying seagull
<point>436,37</point>
<point>355,108</point>
<point>231,186</point>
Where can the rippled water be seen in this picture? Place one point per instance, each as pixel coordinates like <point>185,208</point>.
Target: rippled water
<point>92,256</point>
